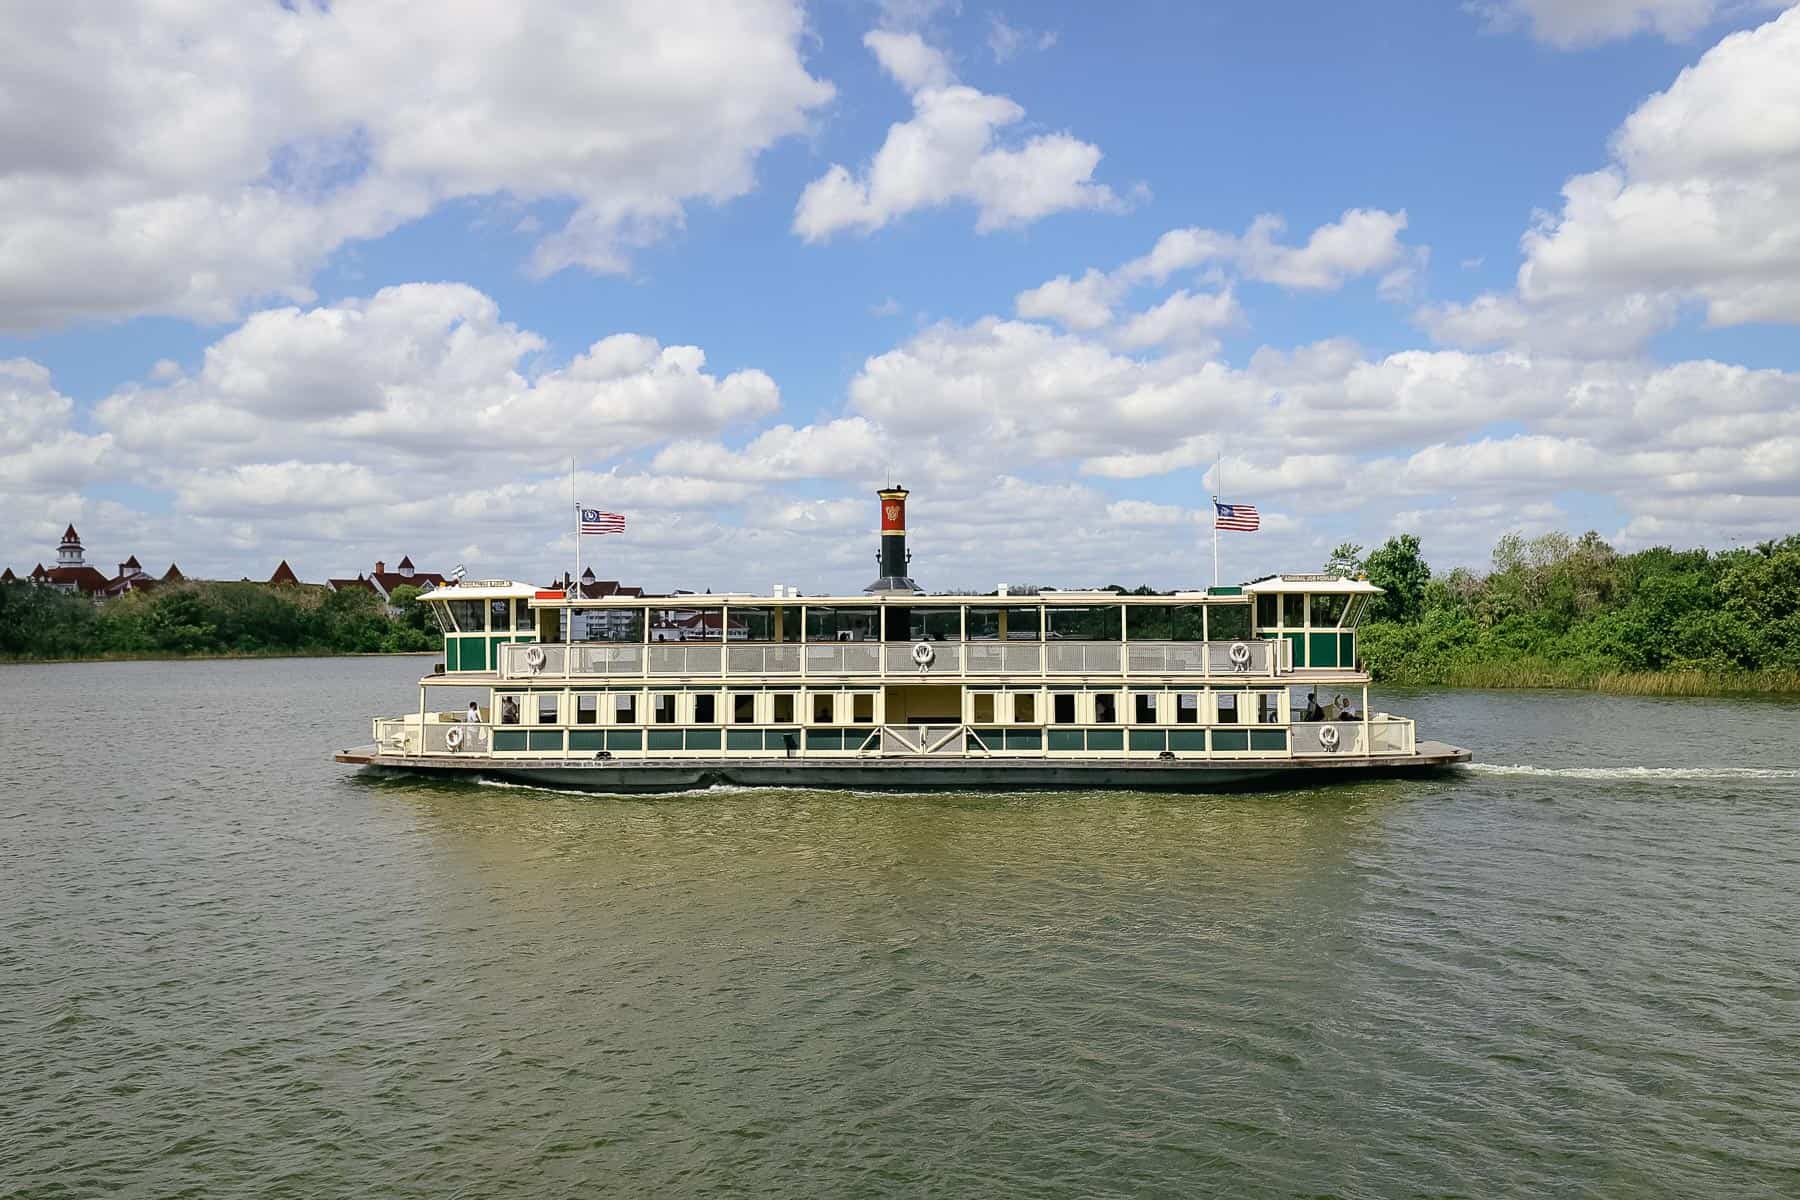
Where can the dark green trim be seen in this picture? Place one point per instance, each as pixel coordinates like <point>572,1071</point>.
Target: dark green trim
<point>509,739</point>
<point>703,739</point>
<point>1187,739</point>
<point>624,739</point>
<point>1149,739</point>
<point>1066,739</point>
<point>544,739</point>
<point>1106,739</point>
<point>1231,739</point>
<point>665,739</point>
<point>587,739</point>
<point>1268,739</point>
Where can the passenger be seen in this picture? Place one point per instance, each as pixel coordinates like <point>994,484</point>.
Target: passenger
<point>1313,711</point>
<point>473,716</point>
<point>509,711</point>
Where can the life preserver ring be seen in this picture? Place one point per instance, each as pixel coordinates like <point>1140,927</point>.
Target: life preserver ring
<point>1240,655</point>
<point>922,654</point>
<point>453,737</point>
<point>1328,737</point>
<point>534,657</point>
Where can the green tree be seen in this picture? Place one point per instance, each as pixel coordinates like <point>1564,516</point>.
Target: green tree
<point>1398,567</point>
<point>1346,562</point>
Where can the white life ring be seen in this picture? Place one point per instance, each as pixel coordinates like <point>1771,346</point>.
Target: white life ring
<point>922,654</point>
<point>1240,655</point>
<point>453,737</point>
<point>534,657</point>
<point>1328,736</point>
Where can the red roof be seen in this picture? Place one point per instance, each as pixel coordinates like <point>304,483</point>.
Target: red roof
<point>173,574</point>
<point>132,562</point>
<point>8,576</point>
<point>344,585</point>
<point>406,564</point>
<point>284,574</point>
<point>84,579</point>
<point>69,535</point>
<point>387,581</point>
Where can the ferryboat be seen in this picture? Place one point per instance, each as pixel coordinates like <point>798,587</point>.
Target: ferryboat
<point>897,689</point>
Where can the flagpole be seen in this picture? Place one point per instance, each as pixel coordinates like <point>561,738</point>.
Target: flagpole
<point>577,503</point>
<point>1218,471</point>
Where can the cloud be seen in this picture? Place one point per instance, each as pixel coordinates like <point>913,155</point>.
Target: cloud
<point>948,153</point>
<point>1361,242</point>
<point>1185,318</point>
<point>184,160</point>
<point>1006,41</point>
<point>1568,24</point>
<point>841,449</point>
<point>1698,201</point>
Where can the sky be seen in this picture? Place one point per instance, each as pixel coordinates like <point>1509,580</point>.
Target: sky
<point>334,283</point>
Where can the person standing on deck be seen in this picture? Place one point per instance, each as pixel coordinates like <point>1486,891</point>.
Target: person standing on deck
<point>473,716</point>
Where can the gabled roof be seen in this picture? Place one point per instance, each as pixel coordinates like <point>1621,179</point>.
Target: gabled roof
<point>406,563</point>
<point>344,585</point>
<point>84,579</point>
<point>386,581</point>
<point>173,574</point>
<point>8,576</point>
<point>69,535</point>
<point>284,574</point>
<point>133,563</point>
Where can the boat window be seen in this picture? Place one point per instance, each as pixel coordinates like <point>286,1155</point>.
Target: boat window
<point>1144,708</point>
<point>981,708</point>
<point>509,710</point>
<point>546,708</point>
<point>743,708</point>
<point>441,616</point>
<point>1062,705</point>
<point>1354,612</point>
<point>607,624</point>
<point>1327,609</point>
<point>694,624</point>
<point>662,708</point>
<point>1268,610</point>
<point>824,708</point>
<point>1025,707</point>
<point>1227,622</point>
<point>828,624</point>
<point>466,614</point>
<point>587,708</point>
<point>1187,708</point>
<point>1164,623</point>
<point>783,705</point>
<point>706,706</point>
<point>772,623</point>
<point>1023,622</point>
<point>1228,708</point>
<point>1268,708</point>
<point>1099,623</point>
<point>500,616</point>
<point>1293,610</point>
<point>1106,708</point>
<point>935,625</point>
<point>862,708</point>
<point>625,708</point>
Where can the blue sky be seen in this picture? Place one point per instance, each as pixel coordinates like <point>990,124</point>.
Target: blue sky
<point>339,284</point>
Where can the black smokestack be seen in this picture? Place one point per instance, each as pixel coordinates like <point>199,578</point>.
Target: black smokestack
<point>893,553</point>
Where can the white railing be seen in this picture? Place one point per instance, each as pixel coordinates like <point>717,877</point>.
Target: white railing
<point>1081,658</point>
<point>469,738</point>
<point>1327,739</point>
<point>757,659</point>
<point>1254,657</point>
<point>915,740</point>
<point>945,659</point>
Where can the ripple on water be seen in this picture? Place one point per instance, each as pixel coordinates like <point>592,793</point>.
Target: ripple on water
<point>268,975</point>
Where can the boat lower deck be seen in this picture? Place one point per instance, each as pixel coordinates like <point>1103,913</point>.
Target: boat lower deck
<point>901,773</point>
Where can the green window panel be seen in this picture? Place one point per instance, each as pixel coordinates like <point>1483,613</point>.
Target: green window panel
<point>993,739</point>
<point>824,739</point>
<point>1065,739</point>
<point>587,739</point>
<point>1346,649</point>
<point>703,739</point>
<point>1299,640</point>
<point>665,739</point>
<point>1231,739</point>
<point>744,739</point>
<point>509,739</point>
<point>1106,739</point>
<point>1188,739</point>
<point>1149,739</point>
<point>1322,650</point>
<point>1268,739</point>
<point>781,739</point>
<point>544,739</point>
<point>1024,739</point>
<point>624,739</point>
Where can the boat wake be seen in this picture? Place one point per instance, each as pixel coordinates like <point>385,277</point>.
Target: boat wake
<point>1647,774</point>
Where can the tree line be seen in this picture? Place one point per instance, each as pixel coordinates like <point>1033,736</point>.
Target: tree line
<point>200,618</point>
<point>1565,611</point>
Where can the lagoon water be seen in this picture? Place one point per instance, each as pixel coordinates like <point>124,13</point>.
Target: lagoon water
<point>230,967</point>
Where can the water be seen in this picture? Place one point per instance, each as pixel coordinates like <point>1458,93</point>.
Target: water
<point>230,967</point>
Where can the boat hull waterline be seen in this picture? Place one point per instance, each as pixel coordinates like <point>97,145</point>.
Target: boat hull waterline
<point>650,777</point>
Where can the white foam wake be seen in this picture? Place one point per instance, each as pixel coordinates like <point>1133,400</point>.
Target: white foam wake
<point>1694,774</point>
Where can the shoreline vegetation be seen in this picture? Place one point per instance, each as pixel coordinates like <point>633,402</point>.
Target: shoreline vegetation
<point>1551,612</point>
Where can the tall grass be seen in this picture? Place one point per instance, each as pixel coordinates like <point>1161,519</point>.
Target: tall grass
<point>1534,673</point>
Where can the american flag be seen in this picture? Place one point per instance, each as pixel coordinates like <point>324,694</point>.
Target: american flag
<point>1241,517</point>
<point>595,521</point>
